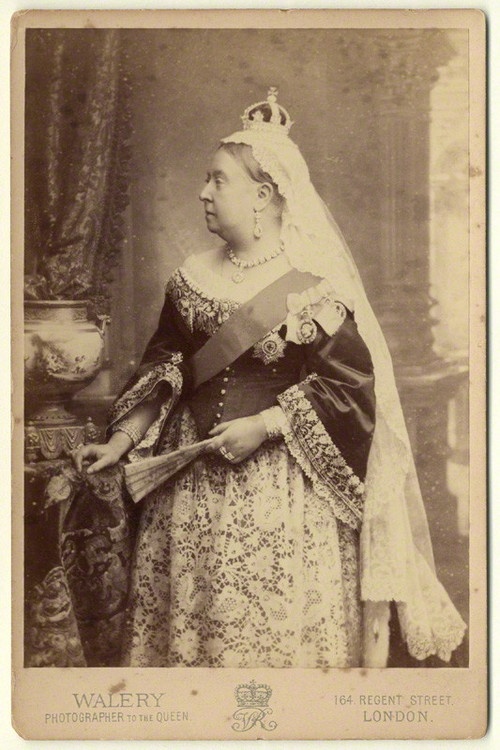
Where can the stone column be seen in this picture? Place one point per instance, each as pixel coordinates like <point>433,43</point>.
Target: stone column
<point>407,68</point>
<point>397,71</point>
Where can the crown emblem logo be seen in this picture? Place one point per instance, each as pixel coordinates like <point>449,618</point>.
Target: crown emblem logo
<point>252,700</point>
<point>253,695</point>
<point>268,116</point>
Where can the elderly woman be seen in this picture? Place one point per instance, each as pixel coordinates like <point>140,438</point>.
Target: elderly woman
<point>283,544</point>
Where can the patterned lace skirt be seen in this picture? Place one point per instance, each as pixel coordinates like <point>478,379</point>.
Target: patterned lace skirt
<point>242,566</point>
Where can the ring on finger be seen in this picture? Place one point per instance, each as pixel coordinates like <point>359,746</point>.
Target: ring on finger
<point>227,454</point>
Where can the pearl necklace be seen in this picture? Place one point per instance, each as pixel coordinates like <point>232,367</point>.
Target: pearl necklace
<point>238,276</point>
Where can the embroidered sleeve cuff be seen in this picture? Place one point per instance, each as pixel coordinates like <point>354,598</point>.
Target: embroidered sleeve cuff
<point>275,421</point>
<point>319,458</point>
<point>145,388</point>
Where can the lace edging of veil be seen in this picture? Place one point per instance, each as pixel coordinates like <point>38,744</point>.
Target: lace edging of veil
<point>396,553</point>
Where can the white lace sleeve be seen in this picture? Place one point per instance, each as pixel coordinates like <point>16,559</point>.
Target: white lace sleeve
<point>275,421</point>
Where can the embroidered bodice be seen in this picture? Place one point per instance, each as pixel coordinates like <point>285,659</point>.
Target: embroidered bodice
<point>253,381</point>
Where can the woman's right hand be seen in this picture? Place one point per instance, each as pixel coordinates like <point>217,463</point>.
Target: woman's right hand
<point>106,455</point>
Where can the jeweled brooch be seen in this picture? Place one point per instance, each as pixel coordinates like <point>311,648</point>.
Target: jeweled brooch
<point>307,328</point>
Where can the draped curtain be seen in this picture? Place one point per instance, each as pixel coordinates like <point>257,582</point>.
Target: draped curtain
<point>77,125</point>
<point>77,156</point>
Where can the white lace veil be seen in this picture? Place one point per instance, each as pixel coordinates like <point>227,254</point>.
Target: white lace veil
<point>396,553</point>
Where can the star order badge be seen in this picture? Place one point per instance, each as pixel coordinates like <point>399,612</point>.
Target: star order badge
<point>270,348</point>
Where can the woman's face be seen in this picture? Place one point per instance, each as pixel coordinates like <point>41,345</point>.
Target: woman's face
<point>229,198</point>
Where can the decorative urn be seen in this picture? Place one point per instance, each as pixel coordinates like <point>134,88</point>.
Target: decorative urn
<point>63,352</point>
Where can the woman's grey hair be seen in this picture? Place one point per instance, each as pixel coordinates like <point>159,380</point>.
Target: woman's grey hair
<point>242,152</point>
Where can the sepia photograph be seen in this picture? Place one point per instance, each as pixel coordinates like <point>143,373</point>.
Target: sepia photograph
<point>251,293</point>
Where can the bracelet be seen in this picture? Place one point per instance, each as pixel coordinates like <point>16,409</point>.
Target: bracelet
<point>129,428</point>
<point>275,421</point>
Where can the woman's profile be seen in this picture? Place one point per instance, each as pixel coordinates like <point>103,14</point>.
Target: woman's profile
<point>283,544</point>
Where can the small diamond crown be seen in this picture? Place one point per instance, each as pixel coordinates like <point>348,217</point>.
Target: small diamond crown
<point>252,695</point>
<point>268,116</point>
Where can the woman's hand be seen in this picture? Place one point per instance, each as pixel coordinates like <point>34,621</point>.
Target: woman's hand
<point>239,438</point>
<point>107,454</point>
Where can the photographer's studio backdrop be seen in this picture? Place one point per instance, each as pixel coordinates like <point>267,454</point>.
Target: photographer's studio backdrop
<point>120,127</point>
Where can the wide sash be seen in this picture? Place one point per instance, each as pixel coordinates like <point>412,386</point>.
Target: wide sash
<point>247,325</point>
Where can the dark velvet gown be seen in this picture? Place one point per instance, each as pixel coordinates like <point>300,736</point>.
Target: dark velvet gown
<point>253,564</point>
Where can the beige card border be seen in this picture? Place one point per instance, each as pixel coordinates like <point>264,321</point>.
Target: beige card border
<point>207,695</point>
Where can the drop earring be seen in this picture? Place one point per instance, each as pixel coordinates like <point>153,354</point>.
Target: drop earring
<point>257,229</point>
